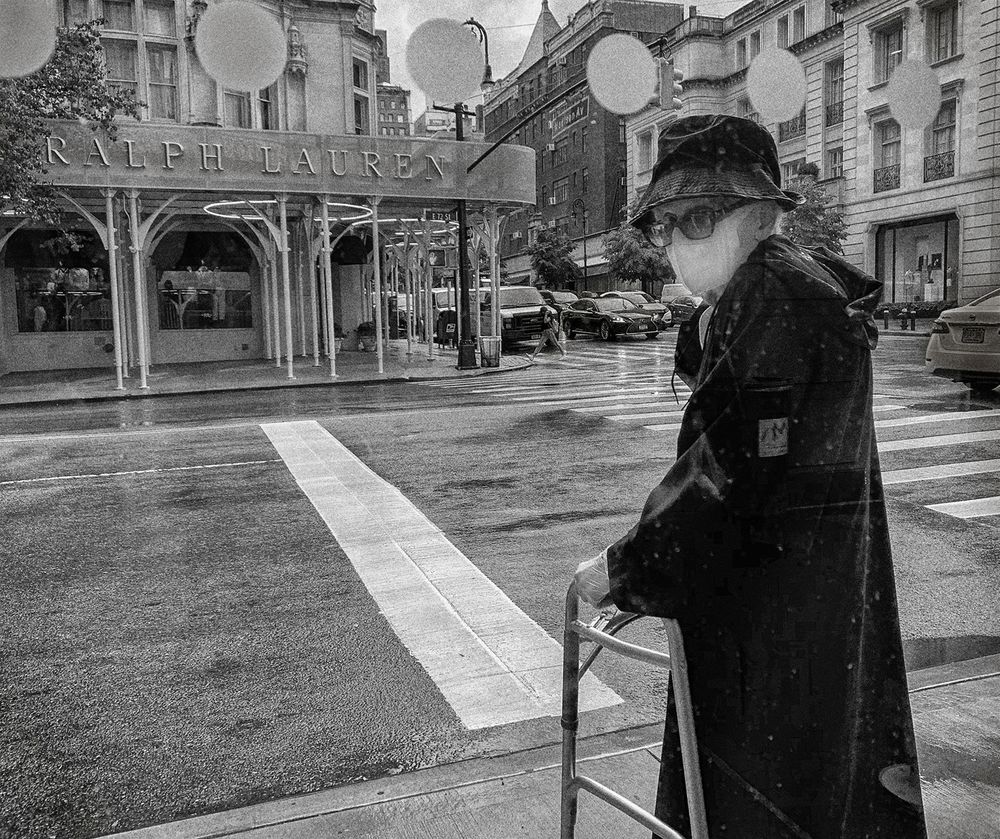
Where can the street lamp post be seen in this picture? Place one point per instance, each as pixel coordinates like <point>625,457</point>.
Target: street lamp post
<point>466,346</point>
<point>583,218</point>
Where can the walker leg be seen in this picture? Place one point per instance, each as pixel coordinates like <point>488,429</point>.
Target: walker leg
<point>569,792</point>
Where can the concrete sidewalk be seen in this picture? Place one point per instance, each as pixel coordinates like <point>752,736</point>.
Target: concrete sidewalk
<point>206,377</point>
<point>956,714</point>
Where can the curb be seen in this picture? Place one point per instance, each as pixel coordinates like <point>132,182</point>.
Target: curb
<point>333,382</point>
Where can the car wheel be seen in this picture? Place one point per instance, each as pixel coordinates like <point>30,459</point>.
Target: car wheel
<point>982,387</point>
<point>570,333</point>
<point>605,331</point>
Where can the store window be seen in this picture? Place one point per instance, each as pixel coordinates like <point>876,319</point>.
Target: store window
<point>61,284</point>
<point>942,32</point>
<point>888,51</point>
<point>205,298</point>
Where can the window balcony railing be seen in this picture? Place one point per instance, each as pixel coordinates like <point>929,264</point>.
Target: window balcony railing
<point>835,113</point>
<point>886,178</point>
<point>938,166</point>
<point>794,127</point>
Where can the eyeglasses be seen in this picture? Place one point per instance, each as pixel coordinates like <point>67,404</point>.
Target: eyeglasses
<point>696,223</point>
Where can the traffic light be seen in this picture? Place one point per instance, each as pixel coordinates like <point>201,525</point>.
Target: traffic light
<point>436,257</point>
<point>668,86</point>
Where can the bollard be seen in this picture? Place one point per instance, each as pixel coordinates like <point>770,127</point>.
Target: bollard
<point>885,317</point>
<point>913,320</point>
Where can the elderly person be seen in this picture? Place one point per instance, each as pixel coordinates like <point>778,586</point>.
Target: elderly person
<point>767,539</point>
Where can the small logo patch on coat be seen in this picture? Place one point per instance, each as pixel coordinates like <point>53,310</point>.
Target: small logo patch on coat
<point>772,437</point>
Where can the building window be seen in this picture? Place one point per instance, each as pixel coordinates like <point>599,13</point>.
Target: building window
<point>940,163</point>
<point>235,109</point>
<point>835,163</point>
<point>746,110</point>
<point>888,51</point>
<point>583,179</point>
<point>545,195</point>
<point>791,169</point>
<point>121,65</point>
<point>835,92</point>
<point>754,44</point>
<point>118,14</point>
<point>159,18</point>
<point>942,32</point>
<point>887,155</point>
<point>360,74</point>
<point>162,81</point>
<point>267,100</point>
<point>741,53</point>
<point>794,127</point>
<point>782,39</point>
<point>645,151</point>
<point>73,12</point>
<point>583,140</point>
<point>798,24</point>
<point>560,190</point>
<point>360,114</point>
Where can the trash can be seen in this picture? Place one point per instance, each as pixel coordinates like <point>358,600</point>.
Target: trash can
<point>489,351</point>
<point>447,328</point>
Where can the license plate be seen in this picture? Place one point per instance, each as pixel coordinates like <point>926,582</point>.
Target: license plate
<point>644,326</point>
<point>535,336</point>
<point>973,334</point>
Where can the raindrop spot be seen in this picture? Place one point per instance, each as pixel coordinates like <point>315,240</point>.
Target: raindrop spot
<point>28,36</point>
<point>914,94</point>
<point>241,45</point>
<point>445,60</point>
<point>776,84</point>
<point>621,73</point>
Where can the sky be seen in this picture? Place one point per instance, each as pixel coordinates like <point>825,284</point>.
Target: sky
<point>508,25</point>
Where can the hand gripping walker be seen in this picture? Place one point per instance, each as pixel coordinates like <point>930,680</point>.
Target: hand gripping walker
<point>602,631</point>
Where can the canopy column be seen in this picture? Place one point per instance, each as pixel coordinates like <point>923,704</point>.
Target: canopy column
<point>286,282</point>
<point>377,280</point>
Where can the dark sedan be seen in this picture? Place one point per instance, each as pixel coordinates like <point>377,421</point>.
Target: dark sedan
<point>608,317</point>
<point>558,300</point>
<point>660,313</point>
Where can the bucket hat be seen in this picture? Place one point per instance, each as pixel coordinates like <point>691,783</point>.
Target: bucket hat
<point>715,155</point>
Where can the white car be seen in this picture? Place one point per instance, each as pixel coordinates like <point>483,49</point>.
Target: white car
<point>965,344</point>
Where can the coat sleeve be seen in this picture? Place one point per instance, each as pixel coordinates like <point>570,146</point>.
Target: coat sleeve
<point>719,508</point>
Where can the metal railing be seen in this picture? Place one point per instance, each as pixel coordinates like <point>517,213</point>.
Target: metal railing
<point>886,178</point>
<point>938,166</point>
<point>835,113</point>
<point>794,127</point>
<point>602,632</point>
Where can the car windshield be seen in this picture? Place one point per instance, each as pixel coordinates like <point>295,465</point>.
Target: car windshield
<point>992,295</point>
<point>637,297</point>
<point>563,296</point>
<point>615,304</point>
<point>511,298</point>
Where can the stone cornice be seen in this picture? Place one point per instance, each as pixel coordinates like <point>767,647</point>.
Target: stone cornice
<point>806,44</point>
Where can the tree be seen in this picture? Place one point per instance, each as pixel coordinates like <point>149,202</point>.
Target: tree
<point>550,258</point>
<point>72,85</point>
<point>632,257</point>
<point>815,222</point>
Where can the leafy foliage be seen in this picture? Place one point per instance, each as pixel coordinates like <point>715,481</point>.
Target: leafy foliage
<point>815,222</point>
<point>631,257</point>
<point>550,258</point>
<point>72,85</point>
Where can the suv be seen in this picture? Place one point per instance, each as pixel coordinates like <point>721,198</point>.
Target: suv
<point>678,298</point>
<point>520,313</point>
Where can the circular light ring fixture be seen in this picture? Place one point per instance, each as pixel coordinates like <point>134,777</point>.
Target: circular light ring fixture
<point>365,212</point>
<point>215,208</point>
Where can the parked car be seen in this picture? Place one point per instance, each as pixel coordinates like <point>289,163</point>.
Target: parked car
<point>558,300</point>
<point>608,317</point>
<point>965,344</point>
<point>661,313</point>
<point>682,303</point>
<point>520,313</point>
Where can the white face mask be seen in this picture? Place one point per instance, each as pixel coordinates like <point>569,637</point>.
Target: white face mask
<point>705,266</point>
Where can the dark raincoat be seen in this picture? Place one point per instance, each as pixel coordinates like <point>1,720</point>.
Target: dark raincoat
<point>767,540</point>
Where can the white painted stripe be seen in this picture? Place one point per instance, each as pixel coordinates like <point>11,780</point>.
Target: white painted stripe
<point>584,400</point>
<point>562,383</point>
<point>974,508</point>
<point>668,426</point>
<point>551,379</point>
<point>92,475</point>
<point>947,416</point>
<point>602,409</point>
<point>651,415</point>
<point>938,441</point>
<point>944,470</point>
<point>493,664</point>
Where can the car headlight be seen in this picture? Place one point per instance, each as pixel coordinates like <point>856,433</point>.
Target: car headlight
<point>939,327</point>
<point>508,322</point>
<point>617,319</point>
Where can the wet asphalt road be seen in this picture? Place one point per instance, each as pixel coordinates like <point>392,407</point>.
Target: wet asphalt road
<point>180,613</point>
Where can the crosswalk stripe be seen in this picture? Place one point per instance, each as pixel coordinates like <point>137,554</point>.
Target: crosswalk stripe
<point>949,416</point>
<point>938,441</point>
<point>667,426</point>
<point>600,398</point>
<point>971,509</point>
<point>492,663</point>
<point>562,383</point>
<point>940,471</point>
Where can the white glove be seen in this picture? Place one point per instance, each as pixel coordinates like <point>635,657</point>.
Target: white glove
<point>592,583</point>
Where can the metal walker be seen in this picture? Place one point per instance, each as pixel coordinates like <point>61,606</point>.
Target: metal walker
<point>602,631</point>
